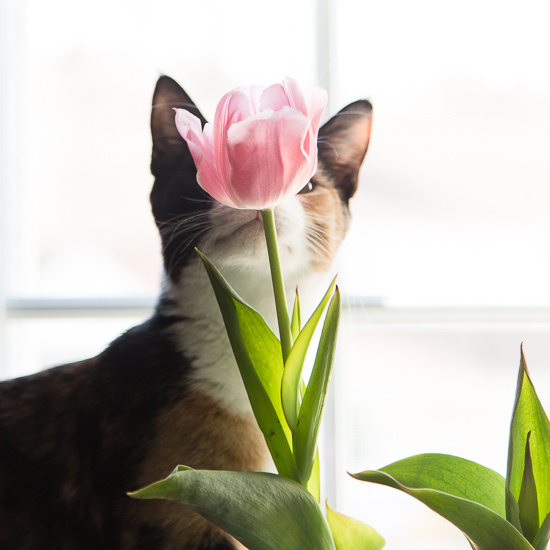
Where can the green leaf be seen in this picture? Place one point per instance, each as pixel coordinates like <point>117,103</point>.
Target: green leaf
<point>512,511</point>
<point>527,502</point>
<point>258,354</point>
<point>468,495</point>
<point>454,475</point>
<point>262,511</point>
<point>296,323</point>
<point>351,534</point>
<point>528,418</point>
<point>543,535</point>
<point>314,482</point>
<point>295,362</point>
<point>309,419</point>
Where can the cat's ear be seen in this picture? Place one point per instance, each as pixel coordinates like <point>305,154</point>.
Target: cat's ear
<point>169,148</point>
<point>343,143</point>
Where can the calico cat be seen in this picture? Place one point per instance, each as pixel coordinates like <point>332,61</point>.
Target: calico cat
<point>74,439</point>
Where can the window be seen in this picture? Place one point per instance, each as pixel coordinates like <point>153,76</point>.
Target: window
<point>445,269</point>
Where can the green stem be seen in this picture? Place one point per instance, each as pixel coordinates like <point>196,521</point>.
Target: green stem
<point>277,278</point>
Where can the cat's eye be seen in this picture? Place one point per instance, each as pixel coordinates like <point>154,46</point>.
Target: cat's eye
<point>308,188</point>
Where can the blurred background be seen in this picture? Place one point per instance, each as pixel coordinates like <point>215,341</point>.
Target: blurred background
<point>446,269</point>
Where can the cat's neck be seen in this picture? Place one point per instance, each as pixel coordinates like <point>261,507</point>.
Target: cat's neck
<point>201,335</point>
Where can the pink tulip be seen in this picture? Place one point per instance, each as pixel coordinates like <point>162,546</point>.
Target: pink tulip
<point>262,146</point>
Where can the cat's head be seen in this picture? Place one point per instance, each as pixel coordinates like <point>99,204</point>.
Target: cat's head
<point>310,226</point>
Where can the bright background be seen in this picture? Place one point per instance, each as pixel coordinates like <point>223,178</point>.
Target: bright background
<point>446,268</point>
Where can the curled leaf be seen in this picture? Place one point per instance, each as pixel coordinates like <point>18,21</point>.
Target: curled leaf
<point>527,503</point>
<point>290,385</point>
<point>262,511</point>
<point>296,321</point>
<point>528,475</point>
<point>468,495</point>
<point>351,534</point>
<point>258,354</point>
<point>309,420</point>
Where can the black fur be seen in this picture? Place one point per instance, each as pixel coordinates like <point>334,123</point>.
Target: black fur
<point>95,449</point>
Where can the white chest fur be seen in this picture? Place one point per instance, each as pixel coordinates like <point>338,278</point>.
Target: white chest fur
<point>203,338</point>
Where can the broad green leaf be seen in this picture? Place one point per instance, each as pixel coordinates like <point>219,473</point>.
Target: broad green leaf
<point>262,511</point>
<point>258,354</point>
<point>295,362</point>
<point>296,322</point>
<point>528,417</point>
<point>527,502</point>
<point>309,419</point>
<point>468,495</point>
<point>351,534</point>
<point>454,475</point>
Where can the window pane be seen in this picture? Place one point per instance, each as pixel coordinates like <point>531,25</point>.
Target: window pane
<point>454,202</point>
<point>408,389</point>
<point>35,344</point>
<point>80,222</point>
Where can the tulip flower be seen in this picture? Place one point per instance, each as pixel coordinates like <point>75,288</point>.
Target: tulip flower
<point>262,146</point>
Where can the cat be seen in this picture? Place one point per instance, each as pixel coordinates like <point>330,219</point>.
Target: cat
<point>75,439</point>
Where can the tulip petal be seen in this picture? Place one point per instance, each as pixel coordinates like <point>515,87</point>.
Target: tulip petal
<point>287,94</point>
<point>208,175</point>
<point>295,95</point>
<point>316,100</point>
<point>274,98</point>
<point>190,129</point>
<point>199,141</point>
<point>266,157</point>
<point>255,94</point>
<point>232,108</point>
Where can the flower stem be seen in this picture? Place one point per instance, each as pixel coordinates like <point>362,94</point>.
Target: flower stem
<point>268,219</point>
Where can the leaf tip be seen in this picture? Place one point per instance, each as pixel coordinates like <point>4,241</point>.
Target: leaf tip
<point>139,494</point>
<point>523,361</point>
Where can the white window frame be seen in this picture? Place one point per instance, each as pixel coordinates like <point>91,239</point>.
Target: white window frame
<point>355,310</point>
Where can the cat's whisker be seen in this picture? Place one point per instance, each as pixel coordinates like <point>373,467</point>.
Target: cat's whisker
<point>353,113</point>
<point>189,236</point>
<point>184,223</point>
<point>326,221</point>
<point>317,238</point>
<point>187,225</point>
<point>179,104</point>
<point>322,226</point>
<point>186,217</point>
<point>325,142</point>
<point>190,226</point>
<point>317,243</point>
<point>207,200</point>
<point>185,244</point>
<point>320,237</point>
